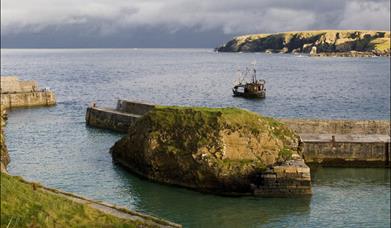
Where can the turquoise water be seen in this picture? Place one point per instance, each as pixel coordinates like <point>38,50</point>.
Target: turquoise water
<point>54,146</point>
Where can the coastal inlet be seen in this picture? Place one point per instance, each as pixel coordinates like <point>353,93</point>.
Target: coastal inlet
<point>75,158</point>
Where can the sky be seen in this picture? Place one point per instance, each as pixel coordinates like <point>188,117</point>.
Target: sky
<point>175,23</point>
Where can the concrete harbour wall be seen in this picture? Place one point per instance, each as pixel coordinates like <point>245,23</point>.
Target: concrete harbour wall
<point>352,143</point>
<point>28,99</point>
<point>290,179</point>
<point>133,107</point>
<point>356,127</point>
<point>11,84</point>
<point>109,119</point>
<point>118,119</point>
<point>16,93</point>
<point>349,154</point>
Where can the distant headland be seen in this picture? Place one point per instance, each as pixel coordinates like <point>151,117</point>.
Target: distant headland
<point>348,43</point>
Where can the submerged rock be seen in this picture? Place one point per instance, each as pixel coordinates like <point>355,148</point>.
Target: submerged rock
<point>224,151</point>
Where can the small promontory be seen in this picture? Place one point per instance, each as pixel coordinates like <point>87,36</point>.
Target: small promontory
<point>317,43</point>
<point>218,150</point>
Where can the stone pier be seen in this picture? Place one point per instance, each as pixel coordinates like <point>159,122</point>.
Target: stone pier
<point>16,93</point>
<point>119,118</point>
<point>352,143</point>
<point>292,178</point>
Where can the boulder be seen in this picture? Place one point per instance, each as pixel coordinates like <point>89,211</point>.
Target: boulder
<point>295,51</point>
<point>307,48</point>
<point>284,50</point>
<point>222,151</point>
<point>313,51</point>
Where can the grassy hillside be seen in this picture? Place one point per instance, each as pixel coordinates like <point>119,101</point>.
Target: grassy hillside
<point>27,205</point>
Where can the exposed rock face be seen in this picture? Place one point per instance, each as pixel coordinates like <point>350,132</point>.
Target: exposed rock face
<point>330,42</point>
<point>4,156</point>
<point>214,150</point>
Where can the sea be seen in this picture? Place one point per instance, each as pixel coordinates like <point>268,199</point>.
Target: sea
<point>54,146</point>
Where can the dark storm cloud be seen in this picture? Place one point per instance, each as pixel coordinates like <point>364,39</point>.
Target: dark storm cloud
<point>171,23</point>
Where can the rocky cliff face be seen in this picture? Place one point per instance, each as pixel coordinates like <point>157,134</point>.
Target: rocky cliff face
<point>4,156</point>
<point>328,42</point>
<point>212,150</point>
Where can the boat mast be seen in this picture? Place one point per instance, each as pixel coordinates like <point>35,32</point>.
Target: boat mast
<point>254,72</point>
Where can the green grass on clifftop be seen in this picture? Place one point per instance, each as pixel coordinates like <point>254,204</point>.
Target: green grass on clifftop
<point>23,205</point>
<point>325,41</point>
<point>234,118</point>
<point>230,115</point>
<point>381,44</point>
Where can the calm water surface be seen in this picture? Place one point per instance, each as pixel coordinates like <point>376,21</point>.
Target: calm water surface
<point>53,145</point>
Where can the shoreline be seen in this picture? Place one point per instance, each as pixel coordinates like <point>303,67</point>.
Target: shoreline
<point>349,54</point>
<point>104,207</point>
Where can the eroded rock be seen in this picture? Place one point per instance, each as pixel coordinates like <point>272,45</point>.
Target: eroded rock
<point>224,151</point>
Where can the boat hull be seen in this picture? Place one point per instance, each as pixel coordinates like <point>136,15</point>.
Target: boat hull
<point>249,95</point>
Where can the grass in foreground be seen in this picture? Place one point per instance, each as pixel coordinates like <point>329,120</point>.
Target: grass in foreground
<point>25,205</point>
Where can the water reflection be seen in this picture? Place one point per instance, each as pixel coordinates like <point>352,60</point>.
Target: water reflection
<point>194,209</point>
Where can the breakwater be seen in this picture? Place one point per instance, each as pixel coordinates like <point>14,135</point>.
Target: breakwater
<point>16,93</point>
<point>288,179</point>
<point>118,118</point>
<point>351,143</point>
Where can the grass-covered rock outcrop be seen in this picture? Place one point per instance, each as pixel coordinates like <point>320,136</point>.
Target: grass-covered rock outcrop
<point>219,150</point>
<point>322,42</point>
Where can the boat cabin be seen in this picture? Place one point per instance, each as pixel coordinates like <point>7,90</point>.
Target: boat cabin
<point>253,89</point>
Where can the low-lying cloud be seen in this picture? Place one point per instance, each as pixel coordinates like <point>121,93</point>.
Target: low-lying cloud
<point>112,18</point>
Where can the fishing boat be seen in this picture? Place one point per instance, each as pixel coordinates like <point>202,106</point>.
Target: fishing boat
<point>249,89</point>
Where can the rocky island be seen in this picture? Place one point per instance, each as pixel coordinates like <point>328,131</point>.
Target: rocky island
<point>347,43</point>
<point>219,150</point>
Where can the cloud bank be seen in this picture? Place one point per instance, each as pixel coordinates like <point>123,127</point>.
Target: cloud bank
<point>139,22</point>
